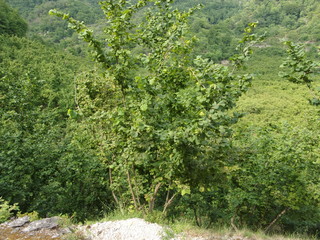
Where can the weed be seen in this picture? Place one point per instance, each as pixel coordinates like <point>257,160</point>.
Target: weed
<point>6,210</point>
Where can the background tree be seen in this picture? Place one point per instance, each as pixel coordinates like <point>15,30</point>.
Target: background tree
<point>44,165</point>
<point>275,182</point>
<point>10,21</point>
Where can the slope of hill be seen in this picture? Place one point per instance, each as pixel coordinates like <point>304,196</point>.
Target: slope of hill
<point>217,25</point>
<point>10,21</point>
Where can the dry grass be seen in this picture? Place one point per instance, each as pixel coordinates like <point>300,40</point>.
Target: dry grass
<point>191,232</point>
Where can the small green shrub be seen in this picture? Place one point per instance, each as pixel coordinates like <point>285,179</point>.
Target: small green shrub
<point>65,220</point>
<point>33,215</point>
<point>6,210</point>
<point>74,236</point>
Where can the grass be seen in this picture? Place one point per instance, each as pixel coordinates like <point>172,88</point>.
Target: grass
<point>186,229</point>
<point>225,233</point>
<point>117,215</point>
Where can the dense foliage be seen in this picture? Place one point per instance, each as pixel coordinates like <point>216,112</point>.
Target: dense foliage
<point>283,177</point>
<point>153,127</point>
<point>169,122</point>
<point>10,21</point>
<point>300,70</point>
<point>40,164</point>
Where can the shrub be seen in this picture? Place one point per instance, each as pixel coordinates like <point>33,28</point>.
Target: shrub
<point>6,210</point>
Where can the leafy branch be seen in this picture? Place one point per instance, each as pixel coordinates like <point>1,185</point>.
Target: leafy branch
<point>299,69</point>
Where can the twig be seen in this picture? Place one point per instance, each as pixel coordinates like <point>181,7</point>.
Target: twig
<point>113,193</point>
<point>168,203</point>
<point>153,197</point>
<point>233,225</point>
<point>276,219</point>
<point>131,190</point>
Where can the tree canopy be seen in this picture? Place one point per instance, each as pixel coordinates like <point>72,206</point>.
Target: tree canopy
<point>10,21</point>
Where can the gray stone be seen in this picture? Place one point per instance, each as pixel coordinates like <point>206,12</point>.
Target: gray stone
<point>65,231</point>
<point>46,223</point>
<point>19,222</point>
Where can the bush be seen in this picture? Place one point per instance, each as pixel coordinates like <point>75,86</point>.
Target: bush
<point>6,210</point>
<point>10,21</point>
<point>276,178</point>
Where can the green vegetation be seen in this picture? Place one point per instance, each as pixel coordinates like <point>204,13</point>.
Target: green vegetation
<point>167,124</point>
<point>10,21</point>
<point>301,69</point>
<point>155,127</point>
<point>6,210</point>
<point>40,164</point>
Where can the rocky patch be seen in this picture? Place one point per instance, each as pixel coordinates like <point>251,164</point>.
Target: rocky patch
<point>139,229</point>
<point>130,229</point>
<point>24,229</point>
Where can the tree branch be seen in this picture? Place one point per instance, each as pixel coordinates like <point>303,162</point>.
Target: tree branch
<point>276,219</point>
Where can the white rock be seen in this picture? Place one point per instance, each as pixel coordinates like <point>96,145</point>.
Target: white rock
<point>131,229</point>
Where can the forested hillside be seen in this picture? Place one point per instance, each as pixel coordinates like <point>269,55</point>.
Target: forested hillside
<point>217,25</point>
<point>149,107</point>
<point>10,21</point>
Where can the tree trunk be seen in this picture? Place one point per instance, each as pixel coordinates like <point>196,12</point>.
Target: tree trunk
<point>153,197</point>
